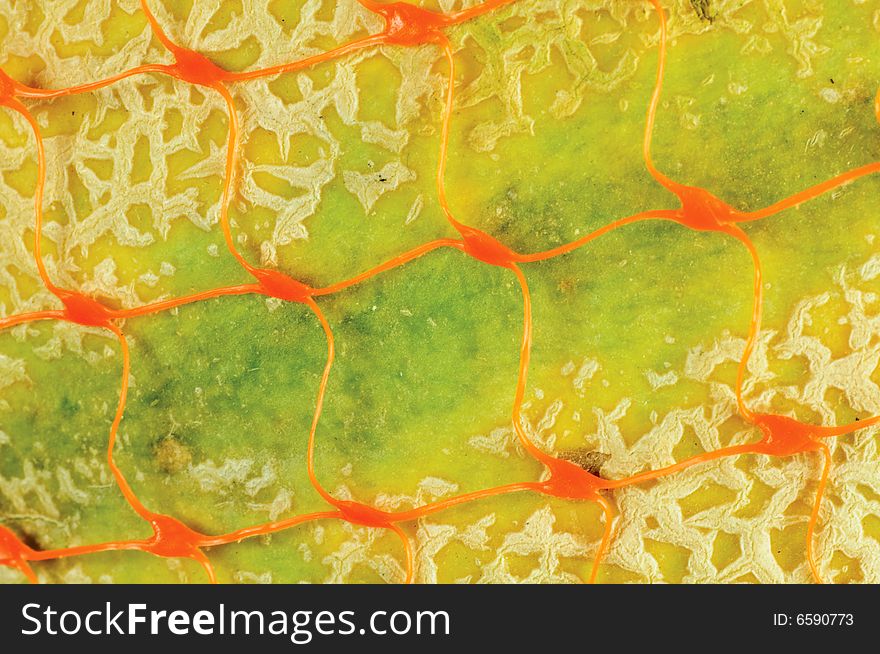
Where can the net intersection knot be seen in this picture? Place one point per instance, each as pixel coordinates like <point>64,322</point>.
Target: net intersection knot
<point>189,66</point>
<point>279,285</point>
<point>84,310</point>
<point>569,481</point>
<point>408,25</point>
<point>703,211</point>
<point>173,539</point>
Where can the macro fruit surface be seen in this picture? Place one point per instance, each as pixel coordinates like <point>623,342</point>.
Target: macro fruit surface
<point>637,336</point>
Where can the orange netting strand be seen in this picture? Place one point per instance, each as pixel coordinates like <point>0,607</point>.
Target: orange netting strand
<point>406,25</point>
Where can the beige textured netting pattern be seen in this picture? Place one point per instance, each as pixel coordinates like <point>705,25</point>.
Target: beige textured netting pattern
<point>166,116</point>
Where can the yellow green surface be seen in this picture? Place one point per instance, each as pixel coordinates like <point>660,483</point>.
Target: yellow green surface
<point>759,102</point>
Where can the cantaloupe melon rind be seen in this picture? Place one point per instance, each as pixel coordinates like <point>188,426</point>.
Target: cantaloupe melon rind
<point>637,335</point>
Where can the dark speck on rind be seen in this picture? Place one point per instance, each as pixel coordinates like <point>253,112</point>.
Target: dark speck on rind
<point>702,9</point>
<point>68,406</point>
<point>29,539</point>
<point>590,460</point>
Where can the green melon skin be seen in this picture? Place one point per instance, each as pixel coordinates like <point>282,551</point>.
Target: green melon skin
<point>760,101</point>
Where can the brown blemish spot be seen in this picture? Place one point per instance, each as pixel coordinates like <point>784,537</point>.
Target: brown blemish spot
<point>566,285</point>
<point>172,455</point>
<point>590,460</point>
<point>702,9</point>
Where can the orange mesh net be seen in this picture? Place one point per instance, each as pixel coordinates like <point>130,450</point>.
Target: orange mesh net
<point>407,26</point>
